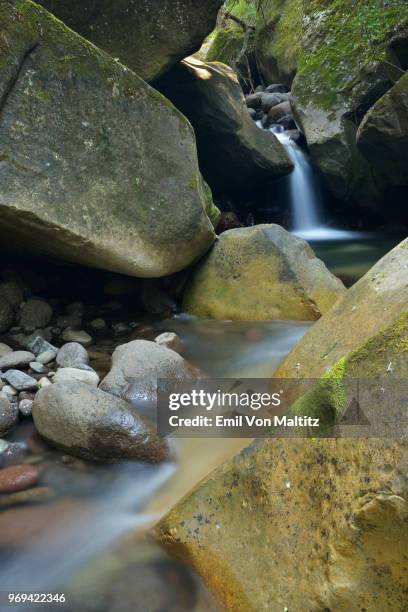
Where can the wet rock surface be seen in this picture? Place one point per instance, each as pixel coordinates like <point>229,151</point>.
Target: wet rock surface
<point>87,422</point>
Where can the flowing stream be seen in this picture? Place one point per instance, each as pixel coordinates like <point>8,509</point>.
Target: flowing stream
<point>46,546</point>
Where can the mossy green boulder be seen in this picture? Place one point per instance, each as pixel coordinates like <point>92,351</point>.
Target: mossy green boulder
<point>233,46</point>
<point>382,137</point>
<point>316,524</point>
<point>344,60</point>
<point>85,173</point>
<point>149,36</point>
<point>261,273</point>
<point>234,154</point>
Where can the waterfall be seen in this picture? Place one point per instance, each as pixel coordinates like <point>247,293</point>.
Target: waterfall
<point>304,195</point>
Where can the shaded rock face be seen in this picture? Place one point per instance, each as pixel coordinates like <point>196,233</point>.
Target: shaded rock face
<point>261,273</point>
<point>383,134</point>
<point>376,301</point>
<point>86,174</point>
<point>86,422</point>
<point>325,519</point>
<point>149,36</point>
<point>331,96</point>
<point>233,153</point>
<point>136,366</point>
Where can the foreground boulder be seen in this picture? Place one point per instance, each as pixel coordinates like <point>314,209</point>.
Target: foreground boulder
<point>233,153</point>
<point>136,366</point>
<point>149,36</point>
<point>383,134</point>
<point>299,525</point>
<point>85,168</point>
<point>261,273</point>
<point>331,96</point>
<point>86,422</point>
<point>325,519</point>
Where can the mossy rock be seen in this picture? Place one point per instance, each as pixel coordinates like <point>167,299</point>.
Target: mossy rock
<point>261,273</point>
<point>86,174</point>
<point>340,53</point>
<point>149,36</point>
<point>233,47</point>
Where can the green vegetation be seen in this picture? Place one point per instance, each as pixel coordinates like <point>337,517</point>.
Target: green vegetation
<point>352,35</point>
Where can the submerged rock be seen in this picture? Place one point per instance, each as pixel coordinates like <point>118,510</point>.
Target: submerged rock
<point>16,359</point>
<point>136,366</point>
<point>18,478</point>
<point>149,36</point>
<point>89,423</point>
<point>383,134</point>
<point>261,273</point>
<point>233,152</point>
<point>86,174</point>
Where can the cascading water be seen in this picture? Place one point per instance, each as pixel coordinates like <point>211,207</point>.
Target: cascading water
<point>304,195</point>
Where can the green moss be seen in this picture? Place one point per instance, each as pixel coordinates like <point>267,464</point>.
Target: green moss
<point>226,45</point>
<point>345,36</point>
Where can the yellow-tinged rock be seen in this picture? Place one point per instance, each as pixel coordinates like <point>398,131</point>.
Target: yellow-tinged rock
<point>261,273</point>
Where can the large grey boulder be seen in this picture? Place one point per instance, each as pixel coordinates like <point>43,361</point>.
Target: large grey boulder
<point>149,36</point>
<point>233,152</point>
<point>383,134</point>
<point>97,168</point>
<point>136,366</point>
<point>86,422</point>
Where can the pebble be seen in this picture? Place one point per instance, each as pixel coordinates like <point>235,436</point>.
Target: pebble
<point>8,415</point>
<point>80,336</point>
<point>8,391</point>
<point>18,478</point>
<point>3,446</point>
<point>47,356</point>
<point>98,324</point>
<point>120,328</point>
<point>29,496</point>
<point>5,349</point>
<point>44,382</point>
<point>39,345</point>
<point>38,368</point>
<point>26,407</point>
<point>72,354</point>
<point>36,312</point>
<point>171,341</point>
<point>15,453</point>
<point>16,359</point>
<point>87,376</point>
<point>20,381</point>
